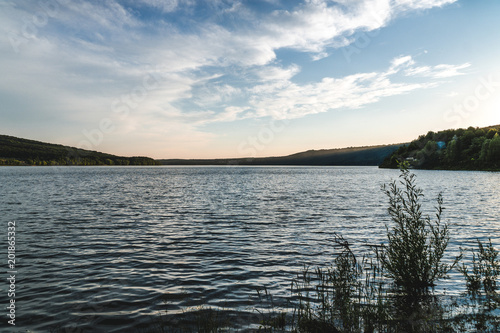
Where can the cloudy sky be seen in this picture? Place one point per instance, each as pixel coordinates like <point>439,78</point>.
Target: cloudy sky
<point>234,78</point>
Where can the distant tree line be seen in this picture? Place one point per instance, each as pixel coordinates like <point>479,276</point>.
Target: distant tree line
<point>460,149</point>
<point>359,156</point>
<point>17,151</point>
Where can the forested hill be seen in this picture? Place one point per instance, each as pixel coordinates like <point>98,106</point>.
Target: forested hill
<point>17,151</point>
<point>459,149</point>
<point>372,155</point>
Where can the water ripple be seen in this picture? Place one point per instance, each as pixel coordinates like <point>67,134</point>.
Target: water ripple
<point>102,248</point>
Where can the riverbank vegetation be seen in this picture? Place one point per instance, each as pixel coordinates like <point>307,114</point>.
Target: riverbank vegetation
<point>391,288</point>
<point>460,149</point>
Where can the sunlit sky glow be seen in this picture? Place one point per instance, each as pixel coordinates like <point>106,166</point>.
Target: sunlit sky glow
<point>235,78</point>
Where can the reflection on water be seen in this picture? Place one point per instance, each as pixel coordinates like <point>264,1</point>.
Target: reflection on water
<point>103,247</point>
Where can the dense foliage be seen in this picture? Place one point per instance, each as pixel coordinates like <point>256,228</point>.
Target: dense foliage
<point>460,149</point>
<point>17,151</point>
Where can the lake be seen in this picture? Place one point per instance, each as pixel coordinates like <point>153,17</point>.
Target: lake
<point>105,249</point>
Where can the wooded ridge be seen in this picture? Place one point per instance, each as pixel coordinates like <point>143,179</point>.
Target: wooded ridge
<point>473,148</point>
<point>17,151</point>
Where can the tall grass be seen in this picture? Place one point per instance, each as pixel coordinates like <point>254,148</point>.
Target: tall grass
<point>485,270</point>
<point>344,297</point>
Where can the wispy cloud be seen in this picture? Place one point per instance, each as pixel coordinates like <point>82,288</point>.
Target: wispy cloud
<point>286,99</point>
<point>420,4</point>
<point>166,6</point>
<point>438,71</point>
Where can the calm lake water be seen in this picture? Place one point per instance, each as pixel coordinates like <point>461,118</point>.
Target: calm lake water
<point>101,249</point>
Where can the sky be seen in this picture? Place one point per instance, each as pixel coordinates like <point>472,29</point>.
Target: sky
<point>245,78</point>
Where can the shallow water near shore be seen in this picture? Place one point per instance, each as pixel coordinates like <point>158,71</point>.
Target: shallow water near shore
<point>104,249</point>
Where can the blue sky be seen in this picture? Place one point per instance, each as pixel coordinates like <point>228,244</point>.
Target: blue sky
<point>238,78</point>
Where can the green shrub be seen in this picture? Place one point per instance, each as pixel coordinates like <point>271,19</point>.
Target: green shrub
<point>416,245</point>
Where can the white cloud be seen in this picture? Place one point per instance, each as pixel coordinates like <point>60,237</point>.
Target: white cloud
<point>314,26</point>
<point>286,100</point>
<point>165,5</point>
<point>213,94</point>
<point>402,61</point>
<point>437,72</point>
<point>421,4</point>
<point>230,113</point>
<point>273,73</point>
<point>85,16</point>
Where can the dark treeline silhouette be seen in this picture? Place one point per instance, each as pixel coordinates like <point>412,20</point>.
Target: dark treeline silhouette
<point>17,151</point>
<point>455,149</point>
<point>373,155</point>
